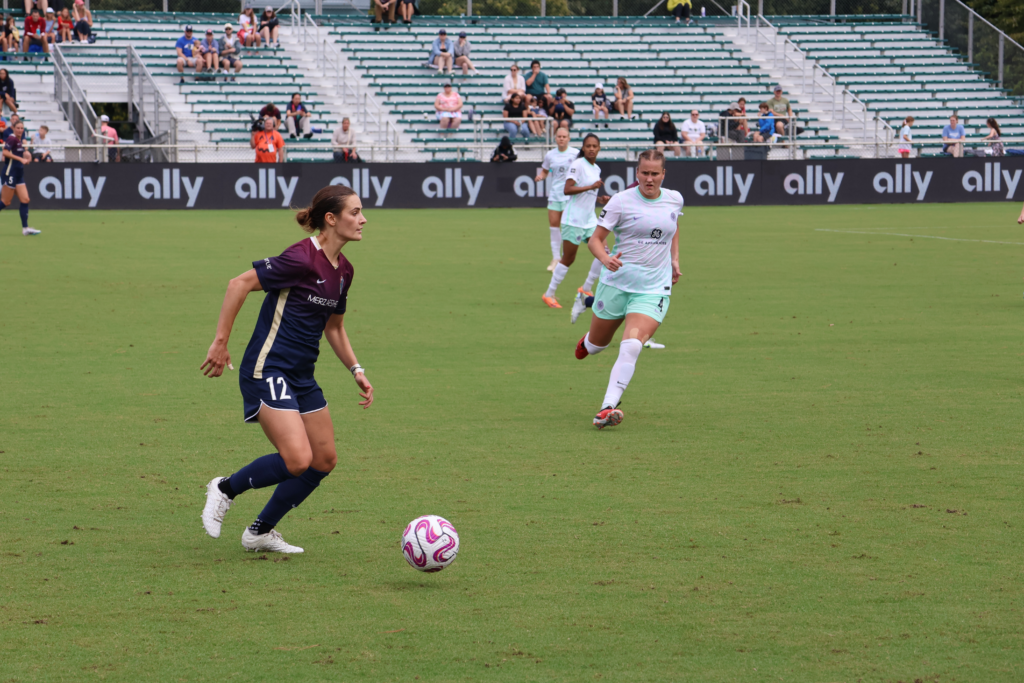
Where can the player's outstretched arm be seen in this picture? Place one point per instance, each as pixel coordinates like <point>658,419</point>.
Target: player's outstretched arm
<point>338,339</point>
<point>217,358</point>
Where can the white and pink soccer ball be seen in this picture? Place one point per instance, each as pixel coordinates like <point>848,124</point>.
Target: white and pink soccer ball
<point>430,543</point>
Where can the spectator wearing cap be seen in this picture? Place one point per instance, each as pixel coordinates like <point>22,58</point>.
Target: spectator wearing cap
<point>382,7</point>
<point>247,33</point>
<point>108,136</point>
<point>208,52</point>
<point>406,8</point>
<point>514,84</point>
<point>461,51</point>
<point>229,49</point>
<point>441,51</point>
<point>344,143</point>
<point>35,32</point>
<point>51,26</point>
<point>537,87</point>
<point>730,123</point>
<point>780,109</point>
<point>185,56</point>
<point>269,26</point>
<point>562,109</point>
<point>600,103</point>
<point>83,22</point>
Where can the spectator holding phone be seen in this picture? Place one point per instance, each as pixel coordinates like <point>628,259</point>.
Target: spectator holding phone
<point>562,109</point>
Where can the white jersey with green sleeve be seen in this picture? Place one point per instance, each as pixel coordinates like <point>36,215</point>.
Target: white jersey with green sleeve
<point>643,229</point>
<point>557,165</point>
<point>580,211</point>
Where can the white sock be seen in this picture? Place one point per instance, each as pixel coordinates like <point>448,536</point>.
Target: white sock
<point>595,270</point>
<point>556,242</point>
<point>591,348</point>
<point>556,278</point>
<point>622,371</point>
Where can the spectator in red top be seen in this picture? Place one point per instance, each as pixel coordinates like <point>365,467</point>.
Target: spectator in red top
<point>35,32</point>
<point>270,111</point>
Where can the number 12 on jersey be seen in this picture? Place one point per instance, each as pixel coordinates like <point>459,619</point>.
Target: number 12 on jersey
<point>283,386</point>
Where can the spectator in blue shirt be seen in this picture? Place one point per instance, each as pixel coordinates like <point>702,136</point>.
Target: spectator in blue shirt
<point>953,137</point>
<point>765,123</point>
<point>441,51</point>
<point>185,56</point>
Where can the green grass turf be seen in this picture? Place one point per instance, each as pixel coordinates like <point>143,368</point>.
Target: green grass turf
<point>818,479</point>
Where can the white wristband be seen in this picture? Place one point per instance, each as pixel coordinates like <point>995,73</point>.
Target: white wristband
<point>356,368</point>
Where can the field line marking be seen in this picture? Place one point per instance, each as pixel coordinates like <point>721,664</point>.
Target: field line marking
<point>901,234</point>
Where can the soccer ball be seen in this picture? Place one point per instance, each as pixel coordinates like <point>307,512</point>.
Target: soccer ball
<point>430,543</point>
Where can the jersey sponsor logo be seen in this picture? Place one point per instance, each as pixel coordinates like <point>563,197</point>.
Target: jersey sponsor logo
<point>656,234</point>
<point>603,212</point>
<point>321,301</point>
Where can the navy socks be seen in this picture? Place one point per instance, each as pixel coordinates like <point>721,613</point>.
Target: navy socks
<point>260,473</point>
<point>23,210</point>
<point>289,494</point>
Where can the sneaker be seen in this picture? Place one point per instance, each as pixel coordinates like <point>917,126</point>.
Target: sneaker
<point>581,349</point>
<point>579,305</point>
<point>651,344</point>
<point>270,542</point>
<point>181,81</point>
<point>551,301</point>
<point>29,231</point>
<point>217,504</point>
<point>608,417</point>
<point>551,266</point>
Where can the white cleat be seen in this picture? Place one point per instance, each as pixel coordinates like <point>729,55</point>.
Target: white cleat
<point>30,231</point>
<point>579,305</point>
<point>217,504</point>
<point>551,266</point>
<point>270,542</point>
<point>651,344</point>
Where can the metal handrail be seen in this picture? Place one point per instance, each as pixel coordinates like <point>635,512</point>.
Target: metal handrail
<point>136,98</point>
<point>76,106</point>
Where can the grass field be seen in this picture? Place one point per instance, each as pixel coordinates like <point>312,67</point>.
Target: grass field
<point>818,480</point>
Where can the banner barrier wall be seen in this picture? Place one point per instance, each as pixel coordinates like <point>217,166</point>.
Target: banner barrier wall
<point>442,185</point>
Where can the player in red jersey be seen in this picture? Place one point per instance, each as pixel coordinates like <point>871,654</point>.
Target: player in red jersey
<point>307,292</point>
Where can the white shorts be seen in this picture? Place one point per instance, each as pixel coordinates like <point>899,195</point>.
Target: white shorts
<point>449,114</point>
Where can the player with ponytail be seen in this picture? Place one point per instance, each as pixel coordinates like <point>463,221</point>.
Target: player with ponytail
<point>306,294</point>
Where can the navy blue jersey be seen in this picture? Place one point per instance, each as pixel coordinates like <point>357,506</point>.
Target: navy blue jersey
<point>303,291</point>
<point>15,146</point>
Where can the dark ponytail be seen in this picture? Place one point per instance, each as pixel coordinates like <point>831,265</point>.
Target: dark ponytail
<point>585,138</point>
<point>330,199</point>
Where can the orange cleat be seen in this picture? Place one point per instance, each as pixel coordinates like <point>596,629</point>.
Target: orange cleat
<point>584,292</point>
<point>581,349</point>
<point>551,301</point>
<point>608,417</point>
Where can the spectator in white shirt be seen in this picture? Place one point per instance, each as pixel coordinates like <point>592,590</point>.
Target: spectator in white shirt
<point>344,143</point>
<point>229,51</point>
<point>514,84</point>
<point>693,131</point>
<point>40,145</point>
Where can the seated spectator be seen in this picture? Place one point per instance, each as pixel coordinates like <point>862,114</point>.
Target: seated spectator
<point>35,32</point>
<point>406,8</point>
<point>208,52</point>
<point>382,8</point>
<point>268,143</point>
<point>184,47</point>
<point>536,84</point>
<point>65,27</point>
<point>269,26</point>
<point>562,109</point>
<point>681,9</point>
<point>730,123</point>
<point>953,136</point>
<point>247,33</point>
<point>993,135</point>
<point>344,143</point>
<point>538,119</point>
<point>230,50</point>
<point>83,22</point>
<point>10,39</point>
<point>273,112</point>
<point>41,4</point>
<point>461,51</point>
<point>694,131</point>
<point>108,136</point>
<point>623,98</point>
<point>297,117</point>
<point>765,124</point>
<point>515,109</point>
<point>50,32</point>
<point>599,101</point>
<point>8,95</point>
<point>780,110</point>
<point>666,135</point>
<point>40,146</point>
<point>448,106</point>
<point>744,124</point>
<point>504,151</point>
<point>906,138</point>
<point>441,51</point>
<point>514,84</point>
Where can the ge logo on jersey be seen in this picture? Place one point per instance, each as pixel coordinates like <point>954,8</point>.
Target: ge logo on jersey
<point>656,234</point>
<point>603,212</point>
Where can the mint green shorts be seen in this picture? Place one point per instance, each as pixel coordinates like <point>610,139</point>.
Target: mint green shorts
<point>557,206</point>
<point>611,303</point>
<point>576,235</point>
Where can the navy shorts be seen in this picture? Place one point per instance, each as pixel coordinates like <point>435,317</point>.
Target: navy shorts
<point>280,391</point>
<point>14,178</point>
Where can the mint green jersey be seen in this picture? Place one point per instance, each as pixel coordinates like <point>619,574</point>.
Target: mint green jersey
<point>580,212</point>
<point>557,165</point>
<point>643,229</point>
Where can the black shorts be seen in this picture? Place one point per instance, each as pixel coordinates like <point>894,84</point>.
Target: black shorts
<point>14,178</point>
<point>280,391</point>
<point>271,24</point>
<point>230,60</point>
